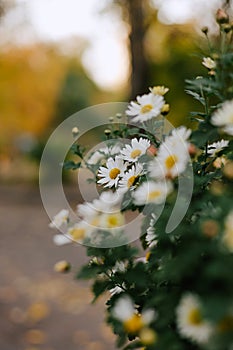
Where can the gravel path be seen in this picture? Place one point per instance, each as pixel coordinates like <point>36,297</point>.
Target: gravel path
<point>41,309</point>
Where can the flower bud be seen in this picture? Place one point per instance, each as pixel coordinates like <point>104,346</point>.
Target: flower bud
<point>217,188</point>
<point>222,17</point>
<point>62,266</point>
<point>148,336</point>
<point>219,162</point>
<point>210,228</point>
<point>228,170</point>
<point>226,27</point>
<point>165,109</point>
<point>192,149</point>
<point>119,115</point>
<point>107,132</point>
<point>152,150</point>
<point>75,131</point>
<point>111,119</point>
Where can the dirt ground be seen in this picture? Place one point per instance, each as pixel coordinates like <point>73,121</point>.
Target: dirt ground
<point>41,309</point>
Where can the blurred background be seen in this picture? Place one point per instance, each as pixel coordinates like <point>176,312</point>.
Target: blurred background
<point>56,58</point>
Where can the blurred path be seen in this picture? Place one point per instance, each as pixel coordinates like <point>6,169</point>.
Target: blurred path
<point>41,309</point>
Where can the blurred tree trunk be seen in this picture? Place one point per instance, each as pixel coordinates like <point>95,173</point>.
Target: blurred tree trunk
<point>134,13</point>
<point>139,67</point>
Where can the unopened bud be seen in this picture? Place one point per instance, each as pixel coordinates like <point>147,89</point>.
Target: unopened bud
<point>228,170</point>
<point>215,56</point>
<point>62,266</point>
<point>119,115</point>
<point>212,73</point>
<point>165,109</point>
<point>148,336</point>
<point>210,228</point>
<point>217,188</point>
<point>152,150</point>
<point>111,119</point>
<point>205,30</point>
<point>219,162</point>
<point>107,132</point>
<point>75,131</point>
<point>222,17</point>
<point>226,27</point>
<point>192,149</point>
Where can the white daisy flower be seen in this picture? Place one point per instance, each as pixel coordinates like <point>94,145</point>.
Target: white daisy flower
<point>147,107</point>
<point>228,231</point>
<point>171,160</point>
<point>159,90</point>
<point>106,203</point>
<point>102,153</point>
<point>181,133</point>
<point>209,63</point>
<point>128,180</point>
<point>112,221</point>
<point>79,231</point>
<point>125,312</point>
<point>137,148</point>
<point>223,117</point>
<point>111,173</point>
<point>190,322</point>
<point>60,219</point>
<point>216,147</point>
<point>150,232</point>
<point>152,192</point>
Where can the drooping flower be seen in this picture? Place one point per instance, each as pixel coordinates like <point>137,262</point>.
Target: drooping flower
<point>152,192</point>
<point>209,63</point>
<point>147,107</point>
<point>133,322</point>
<point>190,321</point>
<point>228,231</point>
<point>216,147</point>
<point>129,178</point>
<point>111,173</point>
<point>60,219</point>
<point>223,117</point>
<point>136,149</point>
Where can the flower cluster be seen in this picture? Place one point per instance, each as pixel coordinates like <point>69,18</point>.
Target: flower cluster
<point>178,293</point>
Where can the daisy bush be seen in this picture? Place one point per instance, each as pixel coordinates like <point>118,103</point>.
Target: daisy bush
<point>172,288</point>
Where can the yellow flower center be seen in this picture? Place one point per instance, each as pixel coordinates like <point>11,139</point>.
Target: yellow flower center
<point>133,324</point>
<point>135,153</point>
<point>146,108</point>
<point>171,161</point>
<point>194,317</point>
<point>114,173</point>
<point>154,194</point>
<point>131,181</point>
<point>78,233</point>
